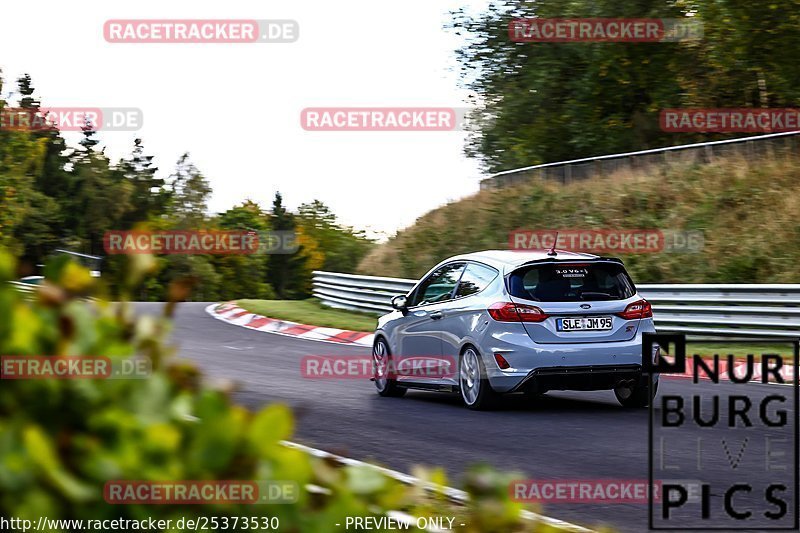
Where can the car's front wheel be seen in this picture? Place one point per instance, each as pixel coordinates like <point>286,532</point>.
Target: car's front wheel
<point>636,396</point>
<point>472,381</point>
<point>381,365</point>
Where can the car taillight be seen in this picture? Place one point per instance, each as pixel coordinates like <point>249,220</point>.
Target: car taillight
<point>511,312</point>
<point>501,361</point>
<point>638,309</point>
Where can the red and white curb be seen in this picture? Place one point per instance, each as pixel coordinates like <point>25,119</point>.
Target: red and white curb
<point>233,314</point>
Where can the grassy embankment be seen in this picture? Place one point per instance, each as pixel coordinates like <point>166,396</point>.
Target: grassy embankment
<point>747,212</point>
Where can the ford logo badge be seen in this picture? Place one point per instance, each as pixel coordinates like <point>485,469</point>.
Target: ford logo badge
<point>586,306</point>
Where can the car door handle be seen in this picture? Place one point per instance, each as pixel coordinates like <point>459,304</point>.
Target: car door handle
<point>436,315</point>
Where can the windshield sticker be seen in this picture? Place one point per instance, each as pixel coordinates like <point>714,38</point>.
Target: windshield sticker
<point>572,272</point>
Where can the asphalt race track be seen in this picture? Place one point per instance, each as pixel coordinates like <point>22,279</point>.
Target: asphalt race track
<point>565,435</point>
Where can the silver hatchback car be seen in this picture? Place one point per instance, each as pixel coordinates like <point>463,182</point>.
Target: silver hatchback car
<point>504,321</point>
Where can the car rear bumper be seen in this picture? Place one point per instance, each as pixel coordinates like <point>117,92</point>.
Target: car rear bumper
<point>579,366</point>
<point>583,378</point>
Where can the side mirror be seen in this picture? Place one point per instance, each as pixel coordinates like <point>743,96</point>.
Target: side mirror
<point>400,302</point>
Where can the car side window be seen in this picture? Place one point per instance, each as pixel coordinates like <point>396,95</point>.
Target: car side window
<point>438,287</point>
<point>475,278</point>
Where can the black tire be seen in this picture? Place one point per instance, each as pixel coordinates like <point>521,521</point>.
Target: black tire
<point>636,396</point>
<point>472,373</point>
<point>386,387</point>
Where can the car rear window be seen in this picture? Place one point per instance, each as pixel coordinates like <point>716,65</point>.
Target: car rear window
<point>564,282</point>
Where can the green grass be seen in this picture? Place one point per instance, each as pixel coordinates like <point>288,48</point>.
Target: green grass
<point>311,312</point>
<point>740,349</point>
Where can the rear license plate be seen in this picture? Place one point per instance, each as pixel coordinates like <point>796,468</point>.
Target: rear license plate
<point>586,323</point>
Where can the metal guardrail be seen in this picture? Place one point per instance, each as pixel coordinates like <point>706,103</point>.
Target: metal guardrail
<point>723,310</point>
<point>25,287</point>
<point>28,289</point>
<point>589,167</point>
<point>358,293</point>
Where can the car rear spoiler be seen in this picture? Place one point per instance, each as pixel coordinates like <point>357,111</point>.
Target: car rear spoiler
<point>568,260</point>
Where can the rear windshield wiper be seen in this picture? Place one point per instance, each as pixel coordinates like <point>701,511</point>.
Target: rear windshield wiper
<point>596,296</point>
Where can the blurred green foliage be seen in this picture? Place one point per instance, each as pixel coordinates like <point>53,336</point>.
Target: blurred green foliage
<point>62,440</point>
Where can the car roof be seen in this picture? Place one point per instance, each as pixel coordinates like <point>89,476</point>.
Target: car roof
<point>507,260</point>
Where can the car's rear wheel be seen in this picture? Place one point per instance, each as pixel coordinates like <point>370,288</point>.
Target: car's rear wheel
<point>637,395</point>
<point>476,392</point>
<point>381,364</point>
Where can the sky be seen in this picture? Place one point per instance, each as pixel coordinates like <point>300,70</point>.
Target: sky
<point>236,107</point>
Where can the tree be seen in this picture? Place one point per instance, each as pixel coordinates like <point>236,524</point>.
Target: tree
<point>89,130</point>
<point>246,216</point>
<point>25,88</point>
<point>55,196</point>
<point>99,197</point>
<point>28,218</point>
<point>308,258</point>
<point>249,271</point>
<point>280,266</point>
<point>51,177</point>
<point>149,197</point>
<point>544,102</point>
<point>342,247</point>
<point>189,192</point>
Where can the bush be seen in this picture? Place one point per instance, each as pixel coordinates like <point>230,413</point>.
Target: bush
<point>61,440</point>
